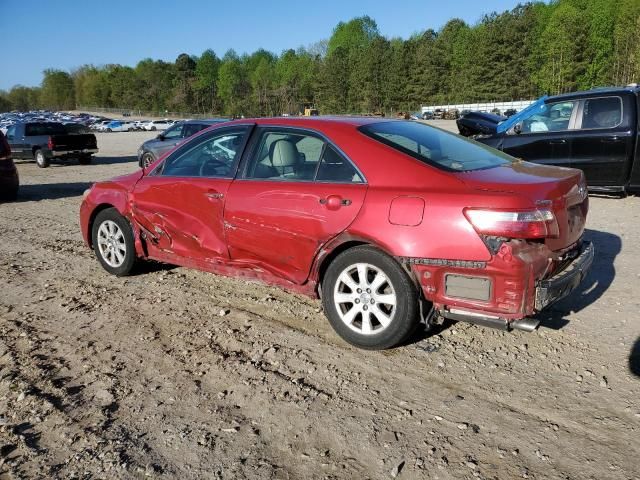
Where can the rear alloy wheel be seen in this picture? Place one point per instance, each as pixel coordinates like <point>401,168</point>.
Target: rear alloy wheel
<point>41,160</point>
<point>113,242</point>
<point>147,159</point>
<point>369,299</point>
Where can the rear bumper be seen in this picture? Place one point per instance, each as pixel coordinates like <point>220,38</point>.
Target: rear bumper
<point>514,285</point>
<point>555,288</point>
<point>71,153</point>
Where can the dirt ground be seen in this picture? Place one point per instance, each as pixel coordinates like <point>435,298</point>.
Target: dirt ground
<point>174,373</point>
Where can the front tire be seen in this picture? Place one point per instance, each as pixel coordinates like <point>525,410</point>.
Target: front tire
<point>369,299</point>
<point>41,160</point>
<point>147,159</point>
<point>113,242</point>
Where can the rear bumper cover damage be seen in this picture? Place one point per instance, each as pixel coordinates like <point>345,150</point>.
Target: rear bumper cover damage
<point>555,288</point>
<point>522,282</point>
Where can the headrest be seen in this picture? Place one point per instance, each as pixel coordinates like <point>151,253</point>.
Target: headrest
<point>283,153</point>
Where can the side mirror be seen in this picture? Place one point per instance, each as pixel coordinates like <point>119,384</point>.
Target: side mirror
<point>160,137</point>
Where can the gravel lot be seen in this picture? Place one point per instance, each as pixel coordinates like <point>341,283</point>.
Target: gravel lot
<point>174,373</point>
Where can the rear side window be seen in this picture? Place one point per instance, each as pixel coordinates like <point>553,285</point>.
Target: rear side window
<point>335,168</point>
<point>605,112</point>
<point>436,147</point>
<point>192,128</point>
<point>299,156</point>
<point>37,129</point>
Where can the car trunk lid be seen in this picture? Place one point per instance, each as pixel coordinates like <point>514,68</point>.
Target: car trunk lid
<point>562,190</point>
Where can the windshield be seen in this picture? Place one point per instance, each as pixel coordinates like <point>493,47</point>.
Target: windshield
<point>530,110</point>
<point>436,147</point>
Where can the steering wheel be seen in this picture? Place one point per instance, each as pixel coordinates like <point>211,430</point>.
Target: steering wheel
<point>212,162</point>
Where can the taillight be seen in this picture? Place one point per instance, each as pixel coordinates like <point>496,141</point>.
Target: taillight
<point>51,144</point>
<point>540,223</point>
<point>5,149</point>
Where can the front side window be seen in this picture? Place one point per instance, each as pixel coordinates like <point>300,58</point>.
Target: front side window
<point>552,117</point>
<point>605,112</point>
<point>214,156</point>
<point>11,132</point>
<point>435,147</point>
<point>173,132</point>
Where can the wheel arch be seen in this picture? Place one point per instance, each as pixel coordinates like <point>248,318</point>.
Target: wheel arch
<point>99,208</point>
<point>340,244</point>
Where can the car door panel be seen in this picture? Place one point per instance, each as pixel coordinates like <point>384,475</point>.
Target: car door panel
<point>180,204</point>
<point>184,216</point>
<point>603,145</point>
<point>282,225</point>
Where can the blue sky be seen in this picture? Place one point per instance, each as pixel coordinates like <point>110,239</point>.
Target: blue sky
<point>64,34</point>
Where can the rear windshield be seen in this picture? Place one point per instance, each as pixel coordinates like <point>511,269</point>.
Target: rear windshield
<point>436,147</point>
<point>48,128</point>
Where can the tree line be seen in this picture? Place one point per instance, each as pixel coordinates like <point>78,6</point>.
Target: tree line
<point>522,53</point>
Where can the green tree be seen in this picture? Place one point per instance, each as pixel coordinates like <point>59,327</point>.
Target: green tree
<point>57,90</point>
<point>206,81</point>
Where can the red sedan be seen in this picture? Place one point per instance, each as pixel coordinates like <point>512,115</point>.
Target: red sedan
<point>392,223</point>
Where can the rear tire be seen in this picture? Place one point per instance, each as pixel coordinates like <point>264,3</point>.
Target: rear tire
<point>153,129</point>
<point>109,130</point>
<point>113,242</point>
<point>41,160</point>
<point>85,159</point>
<point>369,299</point>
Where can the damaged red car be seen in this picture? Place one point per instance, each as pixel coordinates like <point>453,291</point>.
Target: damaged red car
<point>391,223</point>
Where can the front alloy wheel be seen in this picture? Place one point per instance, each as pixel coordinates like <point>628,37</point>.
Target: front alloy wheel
<point>113,242</point>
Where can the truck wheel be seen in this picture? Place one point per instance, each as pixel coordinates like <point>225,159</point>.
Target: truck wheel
<point>369,299</point>
<point>85,159</point>
<point>41,160</point>
<point>113,242</point>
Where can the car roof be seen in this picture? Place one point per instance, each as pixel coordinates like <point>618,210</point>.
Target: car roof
<point>206,121</point>
<point>594,91</point>
<point>318,121</point>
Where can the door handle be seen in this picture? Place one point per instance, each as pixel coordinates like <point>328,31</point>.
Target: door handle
<point>613,139</point>
<point>215,195</point>
<point>334,202</point>
<point>561,141</point>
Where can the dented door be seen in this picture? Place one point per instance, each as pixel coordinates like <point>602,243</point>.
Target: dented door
<point>183,216</point>
<point>180,205</point>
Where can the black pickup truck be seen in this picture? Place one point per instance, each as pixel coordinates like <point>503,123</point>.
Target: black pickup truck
<point>44,141</point>
<point>595,131</point>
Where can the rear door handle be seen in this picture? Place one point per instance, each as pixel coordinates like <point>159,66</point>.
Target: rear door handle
<point>613,139</point>
<point>334,202</point>
<point>561,141</point>
<point>215,195</point>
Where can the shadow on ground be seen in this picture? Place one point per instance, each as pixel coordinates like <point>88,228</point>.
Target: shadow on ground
<point>599,279</point>
<point>634,358</point>
<point>51,191</point>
